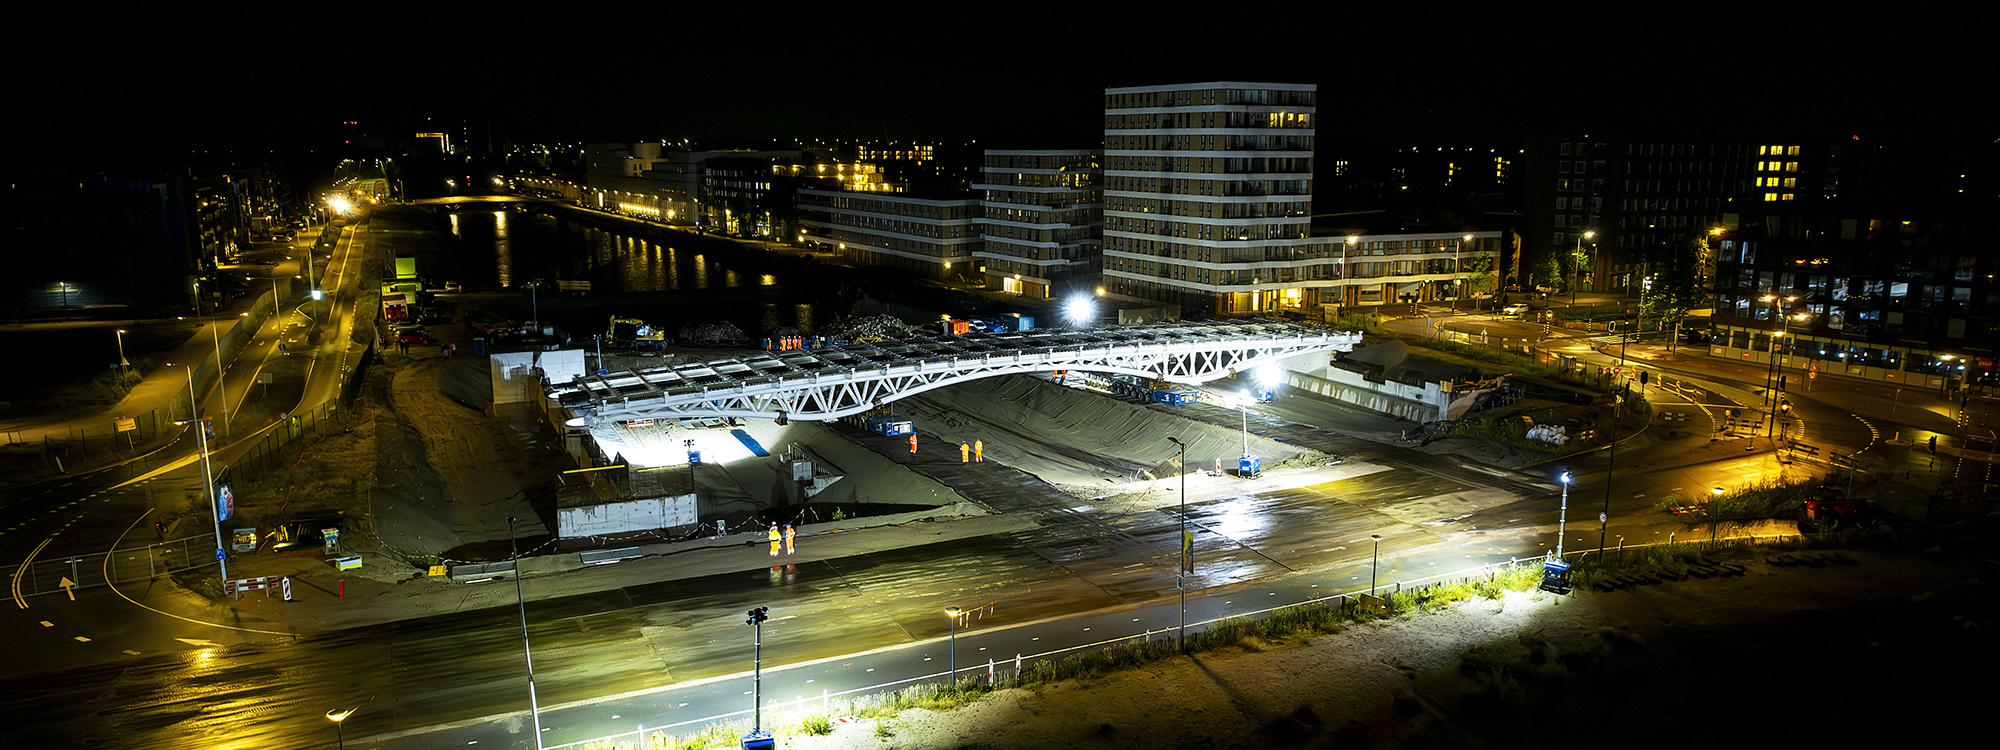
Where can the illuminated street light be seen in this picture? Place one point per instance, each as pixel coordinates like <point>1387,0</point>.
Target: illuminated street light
<point>1576,259</point>
<point>1562,517</point>
<point>122,362</point>
<point>953,613</point>
<point>1080,310</point>
<point>336,716</point>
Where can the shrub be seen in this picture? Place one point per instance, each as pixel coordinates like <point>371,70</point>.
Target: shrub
<point>816,724</point>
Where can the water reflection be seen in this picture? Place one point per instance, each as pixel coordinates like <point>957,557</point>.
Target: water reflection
<point>503,249</point>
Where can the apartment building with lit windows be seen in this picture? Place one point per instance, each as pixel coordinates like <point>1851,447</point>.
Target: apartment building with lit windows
<point>933,237</point>
<point>1620,201</point>
<point>1043,213</point>
<point>1207,193</point>
<point>1873,260</point>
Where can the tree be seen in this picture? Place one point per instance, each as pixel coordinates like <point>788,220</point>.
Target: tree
<point>1548,269</point>
<point>1676,284</point>
<point>1479,277</point>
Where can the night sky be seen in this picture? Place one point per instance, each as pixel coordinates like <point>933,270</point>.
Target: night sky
<point>167,80</point>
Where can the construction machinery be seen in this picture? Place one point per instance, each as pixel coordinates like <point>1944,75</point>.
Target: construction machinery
<point>634,333</point>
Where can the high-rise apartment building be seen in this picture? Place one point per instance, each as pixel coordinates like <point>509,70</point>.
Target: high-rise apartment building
<point>1207,192</point>
<point>1044,220</point>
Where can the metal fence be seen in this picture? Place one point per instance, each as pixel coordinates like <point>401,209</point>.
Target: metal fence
<point>117,566</point>
<point>779,712</point>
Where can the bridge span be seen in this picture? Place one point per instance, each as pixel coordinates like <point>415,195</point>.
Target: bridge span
<point>837,381</point>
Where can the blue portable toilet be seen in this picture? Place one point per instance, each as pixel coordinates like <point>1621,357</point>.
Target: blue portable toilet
<point>1249,467</point>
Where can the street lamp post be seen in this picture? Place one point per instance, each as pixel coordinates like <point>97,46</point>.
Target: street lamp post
<point>1610,461</point>
<point>1375,563</point>
<point>336,716</point>
<point>1576,260</point>
<point>1187,546</point>
<point>122,362</point>
<point>207,475</point>
<point>1245,404</point>
<point>527,653</point>
<point>757,735</point>
<point>953,613</point>
<point>1562,516</point>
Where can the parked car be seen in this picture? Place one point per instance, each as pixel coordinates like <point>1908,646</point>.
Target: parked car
<point>1514,309</point>
<point>418,336</point>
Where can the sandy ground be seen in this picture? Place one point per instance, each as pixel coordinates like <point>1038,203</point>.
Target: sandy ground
<point>1736,661</point>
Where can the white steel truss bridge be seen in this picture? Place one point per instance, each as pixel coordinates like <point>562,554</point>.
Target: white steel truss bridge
<point>833,382</point>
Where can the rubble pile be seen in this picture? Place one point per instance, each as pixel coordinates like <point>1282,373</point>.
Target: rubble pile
<point>719,333</point>
<point>869,327</point>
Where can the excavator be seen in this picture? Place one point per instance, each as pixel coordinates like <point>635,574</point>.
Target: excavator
<point>634,333</point>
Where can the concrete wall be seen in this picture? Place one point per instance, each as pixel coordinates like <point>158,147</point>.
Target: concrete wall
<point>634,515</point>
<point>1417,404</point>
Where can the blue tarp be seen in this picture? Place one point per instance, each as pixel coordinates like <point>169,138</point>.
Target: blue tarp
<point>750,442</point>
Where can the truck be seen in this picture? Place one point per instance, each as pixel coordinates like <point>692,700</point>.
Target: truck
<point>891,425</point>
<point>636,334</point>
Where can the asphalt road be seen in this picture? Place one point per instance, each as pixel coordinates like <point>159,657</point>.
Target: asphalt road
<point>675,651</point>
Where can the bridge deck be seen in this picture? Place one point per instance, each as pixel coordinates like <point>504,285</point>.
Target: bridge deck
<point>843,379</point>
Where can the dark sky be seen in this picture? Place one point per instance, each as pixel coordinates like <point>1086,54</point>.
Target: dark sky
<point>1015,74</point>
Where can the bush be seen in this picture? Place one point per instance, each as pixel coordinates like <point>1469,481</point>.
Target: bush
<point>816,724</point>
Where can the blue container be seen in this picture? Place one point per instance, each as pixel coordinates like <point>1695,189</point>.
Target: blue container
<point>1249,466</point>
<point>759,740</point>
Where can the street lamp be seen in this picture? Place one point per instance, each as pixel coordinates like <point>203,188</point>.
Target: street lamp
<point>1373,565</point>
<point>1244,462</point>
<point>336,716</point>
<point>122,362</point>
<point>1576,260</point>
<point>208,476</point>
<point>1187,544</point>
<point>527,654</point>
<point>953,613</point>
<point>1562,516</point>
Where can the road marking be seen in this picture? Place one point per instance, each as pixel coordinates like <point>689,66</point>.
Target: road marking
<point>130,651</point>
<point>68,586</point>
<point>23,568</point>
<point>47,624</point>
<point>197,641</point>
<point>81,639</point>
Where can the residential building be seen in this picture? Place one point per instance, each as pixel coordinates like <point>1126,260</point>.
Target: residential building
<point>1875,260</point>
<point>1043,213</point>
<point>933,237</point>
<point>1207,193</point>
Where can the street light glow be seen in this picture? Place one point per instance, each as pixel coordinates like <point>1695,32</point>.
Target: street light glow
<point>1079,310</point>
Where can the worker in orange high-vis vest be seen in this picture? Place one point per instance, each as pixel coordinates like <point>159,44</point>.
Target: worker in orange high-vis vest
<point>774,540</point>
<point>791,535</point>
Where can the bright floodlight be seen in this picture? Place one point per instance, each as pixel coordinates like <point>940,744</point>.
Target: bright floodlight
<point>1268,376</point>
<point>1079,310</point>
<point>339,205</point>
<point>1565,477</point>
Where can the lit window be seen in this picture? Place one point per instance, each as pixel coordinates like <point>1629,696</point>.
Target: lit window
<point>1788,196</point>
<point>1793,151</point>
<point>1791,166</point>
<point>1770,196</point>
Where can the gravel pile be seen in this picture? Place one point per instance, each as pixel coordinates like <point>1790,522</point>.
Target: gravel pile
<point>869,326</point>
<point>719,333</point>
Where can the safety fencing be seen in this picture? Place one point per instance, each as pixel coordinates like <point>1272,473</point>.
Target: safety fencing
<point>777,713</point>
<point>46,576</point>
<point>281,446</point>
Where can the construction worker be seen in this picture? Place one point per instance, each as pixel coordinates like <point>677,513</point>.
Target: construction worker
<point>791,534</point>
<point>774,540</point>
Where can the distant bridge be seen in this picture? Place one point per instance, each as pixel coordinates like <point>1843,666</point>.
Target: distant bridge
<point>838,381</point>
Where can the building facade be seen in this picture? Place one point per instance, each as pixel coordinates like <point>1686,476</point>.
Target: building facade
<point>933,237</point>
<point>1206,186</point>
<point>1043,213</point>
<point>1871,260</point>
